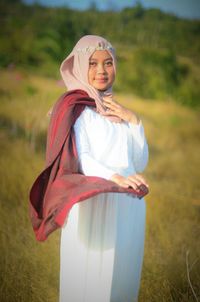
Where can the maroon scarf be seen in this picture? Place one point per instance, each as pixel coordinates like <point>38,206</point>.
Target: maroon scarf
<point>61,185</point>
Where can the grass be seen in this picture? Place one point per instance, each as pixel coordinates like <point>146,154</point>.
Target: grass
<point>29,271</point>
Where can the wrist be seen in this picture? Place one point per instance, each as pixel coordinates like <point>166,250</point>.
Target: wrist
<point>115,177</point>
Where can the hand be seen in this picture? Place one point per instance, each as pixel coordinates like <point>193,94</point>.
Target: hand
<point>133,181</point>
<point>114,108</point>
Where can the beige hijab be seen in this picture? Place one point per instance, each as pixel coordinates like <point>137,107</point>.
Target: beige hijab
<point>74,69</point>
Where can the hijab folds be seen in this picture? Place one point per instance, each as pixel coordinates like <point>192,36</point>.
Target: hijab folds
<point>74,69</point>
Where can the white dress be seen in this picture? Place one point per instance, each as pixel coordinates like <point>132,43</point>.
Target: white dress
<point>102,241</point>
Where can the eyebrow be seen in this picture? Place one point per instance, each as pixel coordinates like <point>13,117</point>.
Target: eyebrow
<point>108,59</point>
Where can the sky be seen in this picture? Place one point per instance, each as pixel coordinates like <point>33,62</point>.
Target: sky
<point>182,8</point>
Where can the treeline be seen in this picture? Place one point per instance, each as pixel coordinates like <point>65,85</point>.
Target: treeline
<point>158,53</point>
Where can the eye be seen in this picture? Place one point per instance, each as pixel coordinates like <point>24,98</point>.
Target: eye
<point>92,63</point>
<point>109,63</point>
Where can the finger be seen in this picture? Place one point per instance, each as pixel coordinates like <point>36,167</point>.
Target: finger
<point>111,102</point>
<point>138,177</point>
<point>135,180</point>
<point>109,99</point>
<point>113,113</point>
<point>109,112</point>
<point>111,106</point>
<point>124,185</point>
<point>132,184</point>
<point>142,179</point>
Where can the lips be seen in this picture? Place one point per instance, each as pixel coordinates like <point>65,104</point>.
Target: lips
<point>101,80</point>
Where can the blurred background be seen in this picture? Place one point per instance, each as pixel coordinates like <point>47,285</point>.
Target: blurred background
<point>158,76</point>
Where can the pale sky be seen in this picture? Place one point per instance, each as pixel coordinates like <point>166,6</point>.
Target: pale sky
<point>181,8</point>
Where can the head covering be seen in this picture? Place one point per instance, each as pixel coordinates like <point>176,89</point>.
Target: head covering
<point>74,69</point>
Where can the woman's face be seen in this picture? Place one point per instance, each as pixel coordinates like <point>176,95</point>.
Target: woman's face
<point>101,73</point>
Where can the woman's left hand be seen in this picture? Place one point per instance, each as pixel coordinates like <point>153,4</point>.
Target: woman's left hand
<point>118,110</point>
<point>135,181</point>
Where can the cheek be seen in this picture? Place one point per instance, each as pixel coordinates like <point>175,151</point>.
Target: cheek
<point>90,76</point>
<point>112,75</point>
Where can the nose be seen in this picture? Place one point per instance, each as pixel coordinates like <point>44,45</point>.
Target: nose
<point>101,68</point>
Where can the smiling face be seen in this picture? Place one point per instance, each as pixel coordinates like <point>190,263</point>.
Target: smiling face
<point>101,72</point>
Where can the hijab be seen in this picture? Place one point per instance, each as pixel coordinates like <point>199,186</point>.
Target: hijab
<point>74,69</point>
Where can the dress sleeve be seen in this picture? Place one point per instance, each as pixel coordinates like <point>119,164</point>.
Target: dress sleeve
<point>140,147</point>
<point>88,165</point>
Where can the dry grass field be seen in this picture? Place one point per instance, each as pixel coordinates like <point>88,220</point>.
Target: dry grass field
<point>29,271</point>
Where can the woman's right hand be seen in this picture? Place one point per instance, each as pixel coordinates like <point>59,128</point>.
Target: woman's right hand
<point>116,109</point>
<point>133,181</point>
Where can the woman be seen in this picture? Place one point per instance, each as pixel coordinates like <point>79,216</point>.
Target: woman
<point>91,186</point>
<point>102,241</point>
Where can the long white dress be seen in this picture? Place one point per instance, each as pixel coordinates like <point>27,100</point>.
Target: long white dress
<point>102,241</point>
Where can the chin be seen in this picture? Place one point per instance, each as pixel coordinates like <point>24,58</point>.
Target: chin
<point>103,88</point>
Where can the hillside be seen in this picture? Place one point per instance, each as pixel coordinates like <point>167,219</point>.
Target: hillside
<point>158,53</point>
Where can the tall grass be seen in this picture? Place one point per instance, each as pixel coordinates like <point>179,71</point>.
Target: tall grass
<point>29,271</point>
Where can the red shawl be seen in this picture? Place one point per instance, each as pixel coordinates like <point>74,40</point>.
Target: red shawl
<point>61,185</point>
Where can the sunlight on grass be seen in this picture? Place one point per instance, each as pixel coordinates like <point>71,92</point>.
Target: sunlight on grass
<point>30,270</point>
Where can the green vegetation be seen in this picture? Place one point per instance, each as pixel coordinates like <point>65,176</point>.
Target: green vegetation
<point>158,53</point>
<point>29,269</point>
<point>158,63</point>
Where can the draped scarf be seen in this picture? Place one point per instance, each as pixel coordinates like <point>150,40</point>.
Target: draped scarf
<point>61,184</point>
